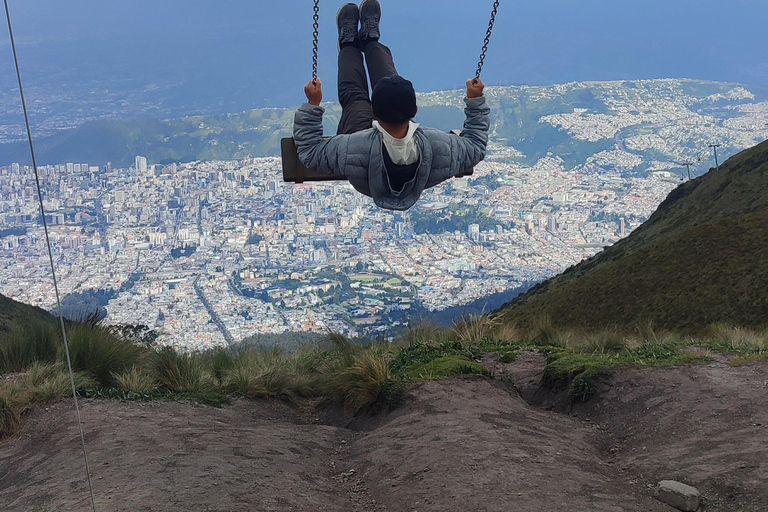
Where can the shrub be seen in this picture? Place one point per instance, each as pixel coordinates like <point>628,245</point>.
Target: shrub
<point>25,345</point>
<point>99,352</point>
<point>181,373</point>
<point>135,380</point>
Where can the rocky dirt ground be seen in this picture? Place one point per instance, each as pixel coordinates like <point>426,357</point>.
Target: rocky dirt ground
<point>460,445</point>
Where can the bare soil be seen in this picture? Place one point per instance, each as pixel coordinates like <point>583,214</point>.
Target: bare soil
<point>459,445</point>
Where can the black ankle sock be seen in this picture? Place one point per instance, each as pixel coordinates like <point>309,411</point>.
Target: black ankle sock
<point>368,41</point>
<point>353,45</point>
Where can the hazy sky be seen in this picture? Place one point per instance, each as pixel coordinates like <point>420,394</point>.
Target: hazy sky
<point>266,44</point>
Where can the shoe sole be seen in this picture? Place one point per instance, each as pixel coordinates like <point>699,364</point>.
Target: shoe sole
<point>338,13</point>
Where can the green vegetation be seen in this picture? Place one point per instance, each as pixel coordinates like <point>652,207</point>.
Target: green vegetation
<point>15,315</point>
<point>697,261</point>
<point>363,378</point>
<point>455,218</point>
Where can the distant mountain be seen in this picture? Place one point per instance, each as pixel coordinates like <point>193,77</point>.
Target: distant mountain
<point>701,258</point>
<point>13,314</point>
<point>631,125</point>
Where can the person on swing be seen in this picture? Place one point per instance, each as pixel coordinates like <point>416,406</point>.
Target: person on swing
<point>378,148</point>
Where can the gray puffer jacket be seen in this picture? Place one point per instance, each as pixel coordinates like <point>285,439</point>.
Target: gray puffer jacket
<point>359,157</point>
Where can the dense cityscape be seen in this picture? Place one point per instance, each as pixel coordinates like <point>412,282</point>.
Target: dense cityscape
<point>208,253</point>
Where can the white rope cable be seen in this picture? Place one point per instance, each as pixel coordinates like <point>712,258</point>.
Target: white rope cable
<point>50,256</point>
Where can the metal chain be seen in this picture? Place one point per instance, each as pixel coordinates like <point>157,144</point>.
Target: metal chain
<point>315,35</point>
<point>487,39</point>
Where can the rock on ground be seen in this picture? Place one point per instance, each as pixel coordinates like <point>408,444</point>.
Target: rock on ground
<point>682,497</point>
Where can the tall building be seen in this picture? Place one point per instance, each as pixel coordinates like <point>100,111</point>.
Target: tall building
<point>474,232</point>
<point>622,227</point>
<point>141,165</point>
<point>15,168</point>
<point>551,224</point>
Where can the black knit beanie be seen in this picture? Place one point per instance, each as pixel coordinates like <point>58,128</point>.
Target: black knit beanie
<point>394,100</point>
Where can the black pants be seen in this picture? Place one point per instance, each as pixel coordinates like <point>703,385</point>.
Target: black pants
<point>357,113</point>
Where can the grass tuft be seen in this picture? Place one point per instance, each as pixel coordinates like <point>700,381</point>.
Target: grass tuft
<point>135,380</point>
<point>97,351</point>
<point>181,373</point>
<point>11,410</point>
<point>363,383</point>
<point>38,342</point>
<point>476,328</point>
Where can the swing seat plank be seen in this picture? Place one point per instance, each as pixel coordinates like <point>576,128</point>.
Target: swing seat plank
<point>295,172</point>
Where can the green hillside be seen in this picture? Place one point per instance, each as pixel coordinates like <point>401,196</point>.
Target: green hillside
<point>13,314</point>
<point>518,114</point>
<point>699,259</point>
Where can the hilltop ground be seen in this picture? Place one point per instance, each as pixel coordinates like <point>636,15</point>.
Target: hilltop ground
<point>458,445</point>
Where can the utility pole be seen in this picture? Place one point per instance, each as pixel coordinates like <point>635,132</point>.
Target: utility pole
<point>714,147</point>
<point>688,166</point>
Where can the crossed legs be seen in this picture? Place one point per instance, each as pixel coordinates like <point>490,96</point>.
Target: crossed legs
<point>354,95</point>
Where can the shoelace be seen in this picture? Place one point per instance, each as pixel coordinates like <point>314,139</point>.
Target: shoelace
<point>348,30</point>
<point>371,25</point>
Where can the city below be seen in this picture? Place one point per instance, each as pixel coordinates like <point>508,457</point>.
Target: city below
<point>208,253</point>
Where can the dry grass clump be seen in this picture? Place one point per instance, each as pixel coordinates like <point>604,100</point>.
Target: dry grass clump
<point>738,338</point>
<point>42,383</point>
<point>605,341</point>
<point>476,328</point>
<point>181,373</point>
<point>273,373</point>
<point>361,381</point>
<point>135,380</point>
<point>359,376</point>
<point>422,332</point>
<point>545,333</point>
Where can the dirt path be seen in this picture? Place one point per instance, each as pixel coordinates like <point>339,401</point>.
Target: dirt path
<point>165,456</point>
<point>460,445</point>
<point>706,426</point>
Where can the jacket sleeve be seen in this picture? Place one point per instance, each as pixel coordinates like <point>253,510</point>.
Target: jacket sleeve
<point>471,145</point>
<point>322,154</point>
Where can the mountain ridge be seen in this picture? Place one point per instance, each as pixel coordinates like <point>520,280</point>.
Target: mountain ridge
<point>534,121</point>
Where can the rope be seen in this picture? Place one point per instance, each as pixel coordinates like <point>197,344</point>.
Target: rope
<point>50,255</point>
<point>487,40</point>
<point>315,35</point>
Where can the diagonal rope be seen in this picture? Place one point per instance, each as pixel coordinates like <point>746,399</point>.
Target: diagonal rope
<point>50,255</point>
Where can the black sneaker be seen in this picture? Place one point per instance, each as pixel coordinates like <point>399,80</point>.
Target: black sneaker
<point>370,16</point>
<point>347,20</point>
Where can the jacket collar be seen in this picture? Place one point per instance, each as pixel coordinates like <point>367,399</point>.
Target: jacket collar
<point>379,184</point>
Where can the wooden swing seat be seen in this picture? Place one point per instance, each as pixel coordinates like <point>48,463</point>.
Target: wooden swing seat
<point>295,172</point>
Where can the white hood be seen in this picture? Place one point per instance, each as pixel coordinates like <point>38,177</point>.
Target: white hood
<point>403,151</point>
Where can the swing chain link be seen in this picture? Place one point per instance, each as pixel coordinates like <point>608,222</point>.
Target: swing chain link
<point>315,44</point>
<point>487,39</point>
